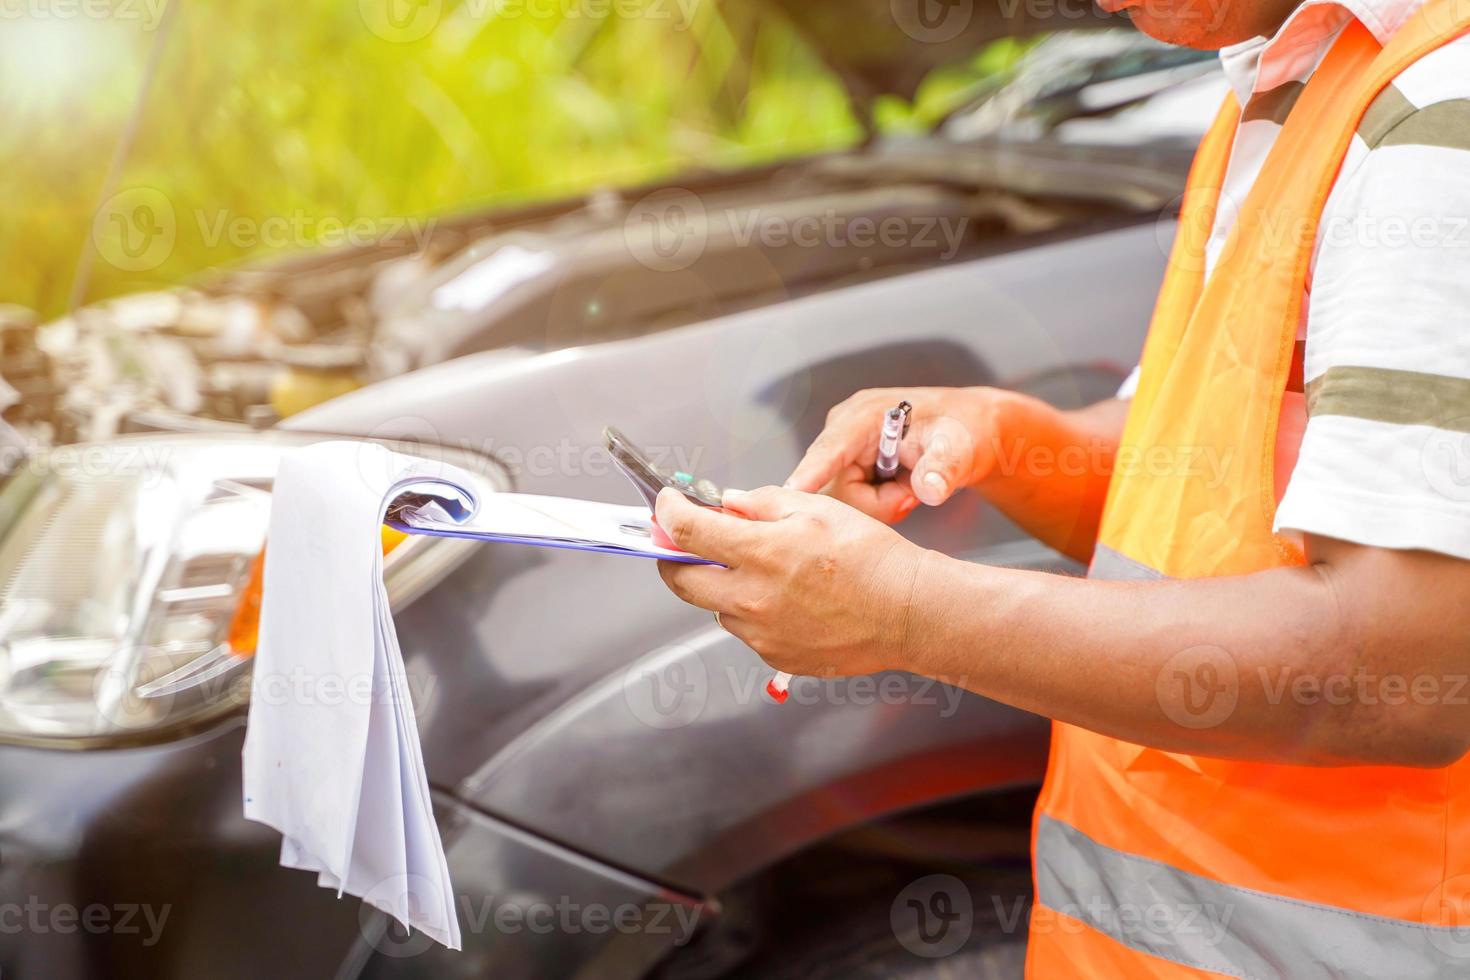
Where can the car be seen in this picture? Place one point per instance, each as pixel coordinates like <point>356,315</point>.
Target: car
<point>616,795</point>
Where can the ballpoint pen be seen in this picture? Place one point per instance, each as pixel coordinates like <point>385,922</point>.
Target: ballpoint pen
<point>895,426</point>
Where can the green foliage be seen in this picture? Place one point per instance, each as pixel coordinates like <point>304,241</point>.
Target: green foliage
<point>269,121</point>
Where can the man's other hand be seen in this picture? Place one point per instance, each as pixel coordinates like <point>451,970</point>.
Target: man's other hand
<point>812,585</point>
<point>951,444</point>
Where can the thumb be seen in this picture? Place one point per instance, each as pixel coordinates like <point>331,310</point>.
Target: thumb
<point>944,463</point>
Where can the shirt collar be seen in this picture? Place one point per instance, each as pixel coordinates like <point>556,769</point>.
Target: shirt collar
<point>1295,50</point>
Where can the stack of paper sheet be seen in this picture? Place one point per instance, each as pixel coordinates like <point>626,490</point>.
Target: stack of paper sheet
<point>342,777</point>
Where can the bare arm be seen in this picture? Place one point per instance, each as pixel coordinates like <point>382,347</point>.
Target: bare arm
<point>1361,657</point>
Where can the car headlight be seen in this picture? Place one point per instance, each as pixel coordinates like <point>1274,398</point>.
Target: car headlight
<point>130,581</point>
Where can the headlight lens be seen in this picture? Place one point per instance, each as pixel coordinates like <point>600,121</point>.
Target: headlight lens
<point>127,607</point>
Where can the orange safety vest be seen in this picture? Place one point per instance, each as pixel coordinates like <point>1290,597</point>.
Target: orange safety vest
<point>1161,864</point>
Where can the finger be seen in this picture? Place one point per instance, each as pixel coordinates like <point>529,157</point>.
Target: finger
<point>825,458</point>
<point>741,630</point>
<point>703,531</point>
<point>944,463</point>
<point>705,586</point>
<point>764,504</point>
<point>890,501</point>
<point>897,498</point>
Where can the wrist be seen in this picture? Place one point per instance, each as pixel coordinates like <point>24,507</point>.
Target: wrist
<point>956,612</point>
<point>997,418</point>
<point>912,616</point>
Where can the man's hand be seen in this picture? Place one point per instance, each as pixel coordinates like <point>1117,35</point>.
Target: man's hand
<point>812,585</point>
<point>951,444</point>
<point>1044,468</point>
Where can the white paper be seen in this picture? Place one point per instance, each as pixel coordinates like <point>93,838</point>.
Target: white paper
<point>332,757</point>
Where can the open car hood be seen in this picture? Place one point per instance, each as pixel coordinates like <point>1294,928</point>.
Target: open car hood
<point>887,47</point>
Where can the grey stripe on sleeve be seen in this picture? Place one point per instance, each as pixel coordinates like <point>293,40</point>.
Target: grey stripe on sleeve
<point>1390,395</point>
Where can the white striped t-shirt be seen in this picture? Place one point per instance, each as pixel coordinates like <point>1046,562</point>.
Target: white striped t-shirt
<point>1377,449</point>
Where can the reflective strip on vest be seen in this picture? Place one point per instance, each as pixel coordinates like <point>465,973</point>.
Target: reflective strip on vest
<point>1114,566</point>
<point>1206,924</point>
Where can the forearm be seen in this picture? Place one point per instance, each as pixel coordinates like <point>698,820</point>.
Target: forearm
<point>1267,666</point>
<point>1051,468</point>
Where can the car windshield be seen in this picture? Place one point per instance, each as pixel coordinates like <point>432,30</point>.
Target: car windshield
<point>1090,76</point>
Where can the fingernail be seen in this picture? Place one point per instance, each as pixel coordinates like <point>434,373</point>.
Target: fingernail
<point>733,496</point>
<point>935,482</point>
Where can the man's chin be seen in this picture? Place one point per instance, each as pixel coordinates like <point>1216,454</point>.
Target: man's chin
<point>1186,33</point>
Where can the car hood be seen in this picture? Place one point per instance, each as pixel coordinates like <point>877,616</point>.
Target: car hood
<point>887,47</point>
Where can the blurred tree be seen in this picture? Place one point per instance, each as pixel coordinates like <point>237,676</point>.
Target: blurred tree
<point>270,125</point>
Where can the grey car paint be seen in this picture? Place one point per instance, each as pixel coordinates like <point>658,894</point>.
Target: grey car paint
<point>572,695</point>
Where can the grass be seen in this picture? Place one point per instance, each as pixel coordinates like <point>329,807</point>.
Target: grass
<point>270,124</point>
